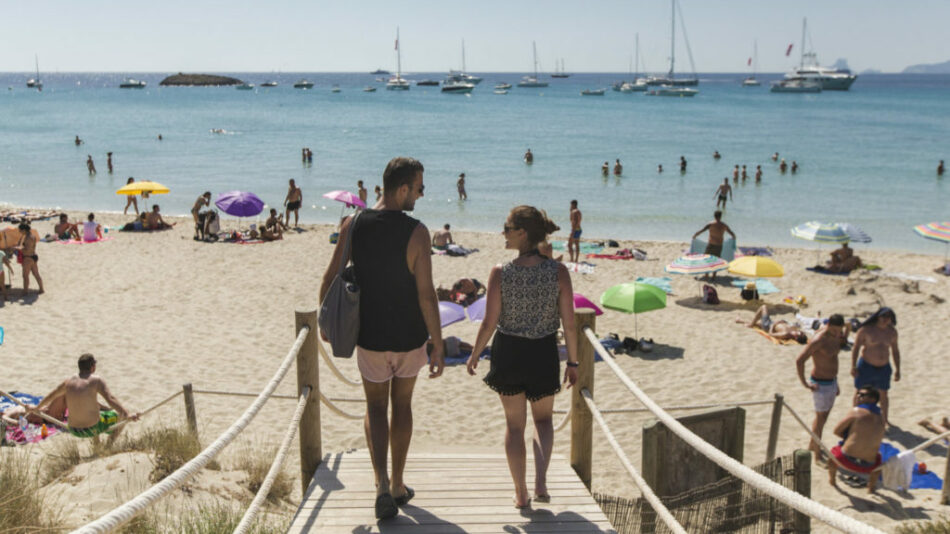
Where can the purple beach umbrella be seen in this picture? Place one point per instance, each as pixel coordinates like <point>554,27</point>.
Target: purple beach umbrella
<point>476,310</point>
<point>240,203</point>
<point>450,312</point>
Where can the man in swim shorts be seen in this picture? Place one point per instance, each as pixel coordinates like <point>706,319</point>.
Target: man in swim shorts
<point>441,239</point>
<point>823,383</point>
<point>87,418</point>
<point>874,345</point>
<point>66,230</point>
<point>861,431</point>
<point>722,191</point>
<point>398,313</point>
<point>460,185</point>
<point>293,201</point>
<point>717,230</point>
<point>574,241</point>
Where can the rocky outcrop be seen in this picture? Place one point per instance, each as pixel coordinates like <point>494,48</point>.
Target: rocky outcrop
<point>199,80</point>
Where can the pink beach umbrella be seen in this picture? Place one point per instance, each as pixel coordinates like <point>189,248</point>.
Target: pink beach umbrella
<point>580,301</point>
<point>348,199</point>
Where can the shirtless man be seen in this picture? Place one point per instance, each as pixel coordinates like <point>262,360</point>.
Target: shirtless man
<point>722,191</point>
<point>735,174</point>
<point>78,141</point>
<point>745,175</point>
<point>780,329</point>
<point>66,230</point>
<point>154,221</point>
<point>361,190</point>
<point>874,344</point>
<point>271,234</point>
<point>775,156</point>
<point>823,383</point>
<point>843,260</point>
<point>90,166</point>
<point>862,431</point>
<point>940,168</point>
<point>109,161</point>
<point>758,173</point>
<point>717,230</point>
<point>460,185</point>
<point>203,200</point>
<point>716,155</point>
<point>528,157</point>
<point>28,249</point>
<point>87,418</point>
<point>782,167</point>
<point>441,239</point>
<point>682,164</point>
<point>273,222</point>
<point>794,166</point>
<point>618,168</point>
<point>605,168</point>
<point>292,202</point>
<point>574,241</point>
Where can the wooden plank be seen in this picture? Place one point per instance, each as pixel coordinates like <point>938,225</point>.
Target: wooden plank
<point>372,528</point>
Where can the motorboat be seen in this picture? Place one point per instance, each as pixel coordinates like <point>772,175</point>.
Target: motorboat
<point>457,87</point>
<point>245,87</point>
<point>502,86</point>
<point>397,82</point>
<point>380,71</point>
<point>335,89</point>
<point>533,81</point>
<point>269,84</point>
<point>593,92</point>
<point>303,84</point>
<point>129,83</point>
<point>633,87</point>
<point>829,79</point>
<point>428,83</point>
<point>796,85</point>
<point>672,90</point>
<point>500,91</point>
<point>369,89</point>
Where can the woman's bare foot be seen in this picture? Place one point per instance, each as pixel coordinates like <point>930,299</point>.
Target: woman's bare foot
<point>521,501</point>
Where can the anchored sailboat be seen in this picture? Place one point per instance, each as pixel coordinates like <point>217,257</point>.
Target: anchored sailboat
<point>533,81</point>
<point>36,83</point>
<point>397,82</point>
<point>670,78</point>
<point>560,73</point>
<point>754,62</point>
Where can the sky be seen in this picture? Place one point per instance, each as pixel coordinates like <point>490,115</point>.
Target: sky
<point>358,36</point>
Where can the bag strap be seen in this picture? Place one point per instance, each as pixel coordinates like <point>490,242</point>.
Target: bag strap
<point>346,246</point>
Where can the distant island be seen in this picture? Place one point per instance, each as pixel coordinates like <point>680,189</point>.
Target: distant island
<point>199,80</point>
<point>929,68</point>
<point>872,71</point>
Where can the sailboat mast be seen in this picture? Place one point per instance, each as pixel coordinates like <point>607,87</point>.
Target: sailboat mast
<point>398,55</point>
<point>534,49</point>
<point>755,57</point>
<point>801,64</point>
<point>636,59</point>
<point>463,55</point>
<point>672,36</point>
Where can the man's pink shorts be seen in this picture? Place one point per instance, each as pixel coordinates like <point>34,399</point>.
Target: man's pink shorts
<point>381,367</point>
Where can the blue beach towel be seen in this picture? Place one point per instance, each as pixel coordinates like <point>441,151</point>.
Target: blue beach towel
<point>698,246</point>
<point>928,480</point>
<point>763,286</point>
<point>586,248</point>
<point>462,358</point>
<point>6,404</point>
<point>822,270</point>
<point>662,282</point>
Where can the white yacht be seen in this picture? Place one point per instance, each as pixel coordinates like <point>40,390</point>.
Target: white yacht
<point>303,84</point>
<point>269,84</point>
<point>828,78</point>
<point>503,86</point>
<point>397,82</point>
<point>796,85</point>
<point>533,81</point>
<point>672,90</point>
<point>245,87</point>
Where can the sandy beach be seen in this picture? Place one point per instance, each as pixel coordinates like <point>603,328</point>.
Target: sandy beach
<point>159,310</point>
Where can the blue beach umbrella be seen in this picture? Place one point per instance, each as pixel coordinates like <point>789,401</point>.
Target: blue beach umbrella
<point>821,233</point>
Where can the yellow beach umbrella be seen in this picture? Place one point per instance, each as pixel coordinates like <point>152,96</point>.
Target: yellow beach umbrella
<point>756,267</point>
<point>137,188</point>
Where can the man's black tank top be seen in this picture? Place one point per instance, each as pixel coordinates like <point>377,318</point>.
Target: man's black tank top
<point>390,317</point>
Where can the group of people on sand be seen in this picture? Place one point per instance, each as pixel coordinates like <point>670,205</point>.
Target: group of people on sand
<point>399,316</point>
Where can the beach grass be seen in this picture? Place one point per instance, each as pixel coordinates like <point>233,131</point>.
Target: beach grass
<point>211,518</point>
<point>22,506</point>
<point>256,461</point>
<point>937,526</point>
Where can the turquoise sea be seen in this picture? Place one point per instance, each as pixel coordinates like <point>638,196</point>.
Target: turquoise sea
<point>867,156</point>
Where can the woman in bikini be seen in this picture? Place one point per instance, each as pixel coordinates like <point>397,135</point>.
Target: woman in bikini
<point>28,249</point>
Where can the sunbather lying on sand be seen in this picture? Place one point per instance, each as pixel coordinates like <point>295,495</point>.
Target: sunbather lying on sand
<point>944,425</point>
<point>843,260</point>
<point>780,329</point>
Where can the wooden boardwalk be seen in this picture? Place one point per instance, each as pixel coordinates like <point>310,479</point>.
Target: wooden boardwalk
<point>455,493</point>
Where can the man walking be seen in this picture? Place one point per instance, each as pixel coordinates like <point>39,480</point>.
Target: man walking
<point>721,192</point>
<point>398,313</point>
<point>874,344</point>
<point>574,241</point>
<point>86,418</point>
<point>823,383</point>
<point>293,202</point>
<point>717,230</point>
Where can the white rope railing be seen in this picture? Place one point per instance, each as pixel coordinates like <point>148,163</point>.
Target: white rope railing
<point>130,509</point>
<point>797,501</point>
<point>563,424</point>
<point>251,513</point>
<point>689,407</point>
<point>334,369</point>
<point>645,489</point>
<point>168,399</point>
<point>329,404</point>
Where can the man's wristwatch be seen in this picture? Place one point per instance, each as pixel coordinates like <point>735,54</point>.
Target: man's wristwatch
<point>573,364</point>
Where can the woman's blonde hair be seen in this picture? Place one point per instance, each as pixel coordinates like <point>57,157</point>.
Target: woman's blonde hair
<point>534,222</point>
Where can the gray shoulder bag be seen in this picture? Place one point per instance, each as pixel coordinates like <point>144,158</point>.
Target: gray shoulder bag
<point>340,310</point>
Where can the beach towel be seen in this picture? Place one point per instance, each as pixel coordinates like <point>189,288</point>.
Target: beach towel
<point>662,282</point>
<point>698,246</point>
<point>911,277</point>
<point>928,480</point>
<point>582,267</point>
<point>586,248</point>
<point>821,270</point>
<point>773,339</point>
<point>753,251</point>
<point>14,434</point>
<point>762,285</point>
<point>463,356</point>
<point>82,242</point>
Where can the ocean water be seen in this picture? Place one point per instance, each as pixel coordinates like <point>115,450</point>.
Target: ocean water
<point>867,156</point>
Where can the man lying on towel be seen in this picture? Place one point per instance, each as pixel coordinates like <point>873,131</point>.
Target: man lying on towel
<point>781,329</point>
<point>87,418</point>
<point>861,431</point>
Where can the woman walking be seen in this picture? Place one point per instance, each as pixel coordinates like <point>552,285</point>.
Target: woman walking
<point>526,298</point>
<point>131,200</point>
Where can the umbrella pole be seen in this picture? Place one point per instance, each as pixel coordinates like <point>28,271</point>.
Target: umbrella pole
<point>636,335</point>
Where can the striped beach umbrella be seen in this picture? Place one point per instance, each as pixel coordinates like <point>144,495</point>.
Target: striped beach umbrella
<point>856,234</point>
<point>821,232</point>
<point>697,264</point>
<point>938,231</point>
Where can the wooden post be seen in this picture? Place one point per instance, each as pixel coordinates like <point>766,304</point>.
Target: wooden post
<point>582,421</point>
<point>773,427</point>
<point>945,495</point>
<point>308,374</point>
<point>190,413</point>
<point>802,463</point>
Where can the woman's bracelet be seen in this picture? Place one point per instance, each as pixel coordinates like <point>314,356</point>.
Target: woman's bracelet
<point>573,364</point>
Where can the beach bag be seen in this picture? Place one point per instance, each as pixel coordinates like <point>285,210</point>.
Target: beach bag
<point>749,294</point>
<point>340,310</point>
<point>710,296</point>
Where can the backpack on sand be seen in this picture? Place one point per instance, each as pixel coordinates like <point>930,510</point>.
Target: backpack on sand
<point>709,294</point>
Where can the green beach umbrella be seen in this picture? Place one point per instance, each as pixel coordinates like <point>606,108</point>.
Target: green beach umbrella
<point>633,297</point>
